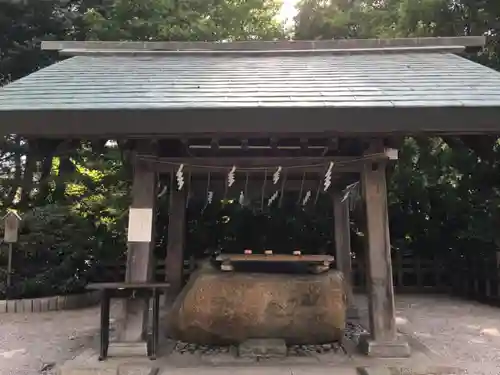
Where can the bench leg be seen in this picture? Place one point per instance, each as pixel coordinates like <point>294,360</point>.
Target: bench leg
<point>104,344</point>
<point>156,319</point>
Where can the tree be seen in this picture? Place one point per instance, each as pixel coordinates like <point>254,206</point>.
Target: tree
<point>444,193</point>
<point>375,19</point>
<point>187,20</point>
<point>66,186</point>
<point>23,25</point>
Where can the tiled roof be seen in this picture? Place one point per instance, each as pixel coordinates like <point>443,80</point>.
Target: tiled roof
<point>192,82</point>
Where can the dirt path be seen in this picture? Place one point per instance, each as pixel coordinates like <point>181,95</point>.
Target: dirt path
<point>30,342</point>
<point>466,333</point>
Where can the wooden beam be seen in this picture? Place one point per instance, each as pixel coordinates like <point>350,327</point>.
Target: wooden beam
<point>248,151</point>
<point>263,46</point>
<point>342,229</point>
<point>140,258</point>
<point>252,121</point>
<point>176,242</point>
<point>263,53</point>
<point>254,188</point>
<point>312,164</point>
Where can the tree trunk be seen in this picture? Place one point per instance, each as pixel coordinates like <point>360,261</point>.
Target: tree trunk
<point>66,169</point>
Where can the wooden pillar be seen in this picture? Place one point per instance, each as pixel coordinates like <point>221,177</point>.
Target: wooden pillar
<point>174,262</point>
<point>140,257</point>
<point>342,229</point>
<point>384,341</point>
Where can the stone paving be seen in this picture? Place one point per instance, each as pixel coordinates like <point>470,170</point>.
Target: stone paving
<point>464,334</point>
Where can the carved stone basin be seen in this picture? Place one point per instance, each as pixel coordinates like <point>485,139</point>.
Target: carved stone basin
<point>217,308</point>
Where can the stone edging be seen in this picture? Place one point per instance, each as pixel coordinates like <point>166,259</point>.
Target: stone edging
<point>56,303</point>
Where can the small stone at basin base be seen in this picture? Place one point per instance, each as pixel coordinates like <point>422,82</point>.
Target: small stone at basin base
<point>352,313</point>
<point>375,371</point>
<point>127,349</point>
<point>399,348</point>
<point>64,370</point>
<point>257,348</point>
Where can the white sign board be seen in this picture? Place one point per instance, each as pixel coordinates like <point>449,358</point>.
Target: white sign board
<point>140,225</point>
<point>11,225</point>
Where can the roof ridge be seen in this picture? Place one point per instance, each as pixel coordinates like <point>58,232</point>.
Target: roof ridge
<point>262,53</point>
<point>268,46</point>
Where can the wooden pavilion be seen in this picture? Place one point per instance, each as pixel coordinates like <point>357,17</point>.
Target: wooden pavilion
<point>307,107</point>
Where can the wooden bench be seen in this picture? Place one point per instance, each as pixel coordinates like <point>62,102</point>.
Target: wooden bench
<point>126,290</point>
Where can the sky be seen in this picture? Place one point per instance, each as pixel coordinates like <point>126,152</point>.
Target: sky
<point>288,10</point>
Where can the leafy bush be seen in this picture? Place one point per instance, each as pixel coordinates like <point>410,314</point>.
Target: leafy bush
<point>58,252</point>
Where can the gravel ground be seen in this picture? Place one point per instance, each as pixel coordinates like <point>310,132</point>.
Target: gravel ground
<point>33,343</point>
<point>465,333</point>
<point>293,350</point>
<point>352,333</point>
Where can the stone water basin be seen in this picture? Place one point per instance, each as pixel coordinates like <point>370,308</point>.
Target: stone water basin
<point>224,308</point>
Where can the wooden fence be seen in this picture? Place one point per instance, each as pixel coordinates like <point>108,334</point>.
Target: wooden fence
<point>410,274</point>
<point>473,277</point>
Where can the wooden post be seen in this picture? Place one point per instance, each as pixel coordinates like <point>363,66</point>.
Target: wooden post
<point>12,221</point>
<point>399,269</point>
<point>418,272</point>
<point>9,266</point>
<point>140,257</point>
<point>343,247</point>
<point>496,276</point>
<point>384,341</point>
<point>174,263</point>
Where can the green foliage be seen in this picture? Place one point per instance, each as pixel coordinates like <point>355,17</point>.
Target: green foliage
<point>57,253</point>
<point>186,20</point>
<point>319,19</point>
<point>74,194</point>
<point>444,194</point>
<point>23,24</point>
<point>443,200</point>
<point>283,227</point>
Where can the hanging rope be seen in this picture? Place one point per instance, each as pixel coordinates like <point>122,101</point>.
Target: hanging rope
<point>209,194</point>
<point>230,177</point>
<point>209,176</point>
<point>178,172</point>
<point>283,187</point>
<point>226,188</point>
<point>306,198</point>
<point>301,187</point>
<point>171,187</point>
<point>272,198</point>
<point>189,188</point>
<point>317,194</point>
<point>180,177</point>
<point>263,191</point>
<point>277,175</point>
<point>328,177</point>
<point>265,168</point>
<point>245,191</point>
